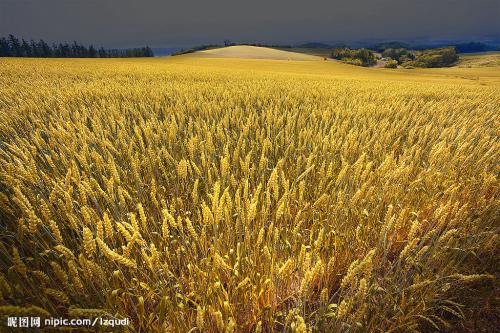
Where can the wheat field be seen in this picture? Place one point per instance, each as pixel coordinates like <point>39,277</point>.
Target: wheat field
<point>233,195</point>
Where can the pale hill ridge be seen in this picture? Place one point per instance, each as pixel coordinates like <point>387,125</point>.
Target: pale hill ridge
<point>254,52</point>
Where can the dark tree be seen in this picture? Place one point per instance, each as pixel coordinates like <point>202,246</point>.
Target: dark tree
<point>78,51</point>
<point>26,49</point>
<point>5,48</point>
<point>75,50</point>
<point>15,46</point>
<point>92,52</point>
<point>148,52</point>
<point>34,49</point>
<point>66,50</point>
<point>12,47</point>
<point>45,50</point>
<point>102,53</point>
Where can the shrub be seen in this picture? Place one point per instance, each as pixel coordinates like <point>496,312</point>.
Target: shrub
<point>391,64</point>
<point>432,58</point>
<point>353,61</point>
<point>400,55</point>
<point>364,57</point>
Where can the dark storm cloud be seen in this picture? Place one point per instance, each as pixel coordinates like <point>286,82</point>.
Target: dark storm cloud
<point>120,23</point>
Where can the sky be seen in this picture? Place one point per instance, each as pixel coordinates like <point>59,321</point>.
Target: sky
<point>168,23</point>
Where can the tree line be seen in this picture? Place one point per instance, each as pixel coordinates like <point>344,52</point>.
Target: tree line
<point>11,46</point>
<point>359,57</point>
<point>430,58</point>
<point>394,57</point>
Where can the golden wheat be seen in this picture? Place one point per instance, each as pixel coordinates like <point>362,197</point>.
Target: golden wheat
<point>260,196</point>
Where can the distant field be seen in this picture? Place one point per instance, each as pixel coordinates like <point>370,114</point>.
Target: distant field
<point>485,59</point>
<point>467,60</point>
<point>254,52</point>
<point>211,193</point>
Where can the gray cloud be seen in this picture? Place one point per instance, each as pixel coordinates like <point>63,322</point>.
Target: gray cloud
<point>121,23</point>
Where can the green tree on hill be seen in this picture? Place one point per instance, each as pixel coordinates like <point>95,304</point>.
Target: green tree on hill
<point>360,57</point>
<point>400,55</point>
<point>432,58</point>
<point>391,64</point>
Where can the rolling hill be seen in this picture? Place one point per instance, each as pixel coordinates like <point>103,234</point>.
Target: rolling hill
<point>254,52</point>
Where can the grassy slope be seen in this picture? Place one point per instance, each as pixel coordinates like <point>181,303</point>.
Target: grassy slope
<point>484,59</point>
<point>335,69</point>
<point>254,52</point>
